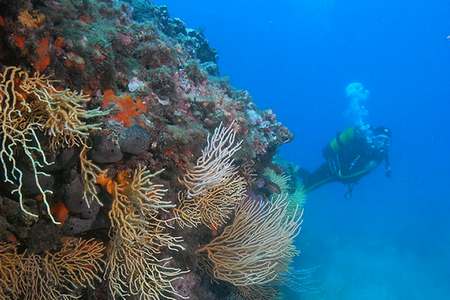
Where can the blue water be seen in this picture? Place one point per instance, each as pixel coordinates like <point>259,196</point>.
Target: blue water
<point>392,239</point>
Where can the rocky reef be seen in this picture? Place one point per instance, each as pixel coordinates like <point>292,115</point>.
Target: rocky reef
<point>129,168</point>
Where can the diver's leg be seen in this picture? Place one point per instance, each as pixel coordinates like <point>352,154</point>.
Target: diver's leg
<point>319,177</point>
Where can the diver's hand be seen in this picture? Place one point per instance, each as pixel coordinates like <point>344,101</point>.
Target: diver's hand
<point>388,172</point>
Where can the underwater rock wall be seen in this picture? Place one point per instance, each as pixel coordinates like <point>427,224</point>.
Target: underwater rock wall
<point>105,94</point>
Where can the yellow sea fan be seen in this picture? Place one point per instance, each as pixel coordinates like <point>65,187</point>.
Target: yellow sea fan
<point>138,236</point>
<point>257,246</point>
<point>9,271</point>
<point>213,207</point>
<point>213,187</point>
<point>51,276</point>
<point>218,203</point>
<point>215,163</point>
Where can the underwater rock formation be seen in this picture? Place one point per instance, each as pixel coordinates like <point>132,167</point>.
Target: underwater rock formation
<point>95,96</point>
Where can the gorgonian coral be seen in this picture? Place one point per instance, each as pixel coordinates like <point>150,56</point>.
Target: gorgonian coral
<point>214,206</point>
<point>136,264</point>
<point>248,172</point>
<point>215,163</point>
<point>257,246</point>
<point>9,271</point>
<point>29,105</point>
<point>213,186</point>
<point>51,276</point>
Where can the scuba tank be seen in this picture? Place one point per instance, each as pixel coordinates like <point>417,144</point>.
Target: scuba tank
<point>342,139</point>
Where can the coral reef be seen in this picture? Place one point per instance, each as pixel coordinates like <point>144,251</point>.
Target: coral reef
<point>94,97</point>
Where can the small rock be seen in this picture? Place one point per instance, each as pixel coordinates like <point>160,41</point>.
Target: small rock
<point>105,150</point>
<point>186,284</point>
<point>65,158</point>
<point>75,225</point>
<point>29,187</point>
<point>134,140</point>
<point>211,68</point>
<point>44,237</point>
<point>73,199</point>
<point>101,222</point>
<point>60,161</point>
<point>201,47</point>
<point>11,210</point>
<point>4,227</point>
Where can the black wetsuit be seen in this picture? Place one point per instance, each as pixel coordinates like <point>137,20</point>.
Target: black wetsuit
<point>348,157</point>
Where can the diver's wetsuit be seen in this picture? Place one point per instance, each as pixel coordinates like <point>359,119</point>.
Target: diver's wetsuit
<point>349,156</point>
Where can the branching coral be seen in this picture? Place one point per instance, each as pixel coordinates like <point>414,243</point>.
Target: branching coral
<point>9,271</point>
<point>215,163</point>
<point>187,212</point>
<point>29,105</point>
<point>218,203</point>
<point>19,130</point>
<point>79,261</point>
<point>133,269</point>
<point>65,115</point>
<point>138,236</point>
<point>52,276</point>
<point>257,246</point>
<point>89,172</point>
<point>298,281</point>
<point>213,186</point>
<point>248,171</point>
<point>214,206</point>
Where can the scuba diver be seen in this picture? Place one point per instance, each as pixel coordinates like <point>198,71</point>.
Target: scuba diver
<point>351,155</point>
